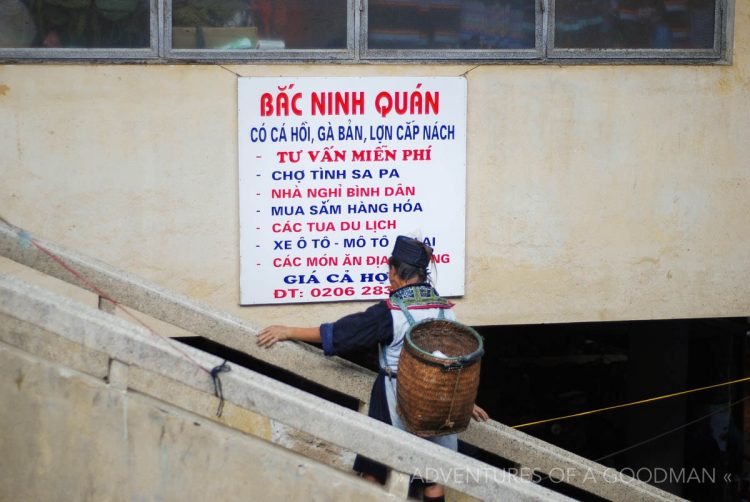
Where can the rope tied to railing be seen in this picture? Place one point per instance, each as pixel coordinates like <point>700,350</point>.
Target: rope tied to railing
<point>218,389</point>
<point>26,241</point>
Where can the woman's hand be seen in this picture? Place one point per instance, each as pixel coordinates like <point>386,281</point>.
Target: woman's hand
<point>272,334</point>
<point>479,414</point>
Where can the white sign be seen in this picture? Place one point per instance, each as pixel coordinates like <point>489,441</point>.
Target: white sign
<point>332,170</point>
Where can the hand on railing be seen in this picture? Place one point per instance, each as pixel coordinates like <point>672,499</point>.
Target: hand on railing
<point>479,414</point>
<point>269,335</point>
<point>272,334</point>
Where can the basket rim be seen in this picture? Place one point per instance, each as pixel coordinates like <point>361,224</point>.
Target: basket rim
<point>479,352</point>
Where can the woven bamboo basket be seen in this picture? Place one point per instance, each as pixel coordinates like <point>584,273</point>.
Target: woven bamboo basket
<point>435,395</point>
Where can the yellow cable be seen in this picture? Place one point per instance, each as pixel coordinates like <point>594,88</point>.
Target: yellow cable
<point>625,405</point>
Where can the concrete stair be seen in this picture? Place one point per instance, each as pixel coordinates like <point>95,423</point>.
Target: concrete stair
<point>155,370</point>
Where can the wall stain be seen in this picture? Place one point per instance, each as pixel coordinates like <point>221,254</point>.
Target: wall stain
<point>654,261</point>
<point>4,89</point>
<point>19,380</point>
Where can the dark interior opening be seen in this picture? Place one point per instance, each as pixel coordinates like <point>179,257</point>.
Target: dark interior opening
<point>688,445</point>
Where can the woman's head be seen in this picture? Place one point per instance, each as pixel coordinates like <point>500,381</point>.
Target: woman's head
<point>408,262</point>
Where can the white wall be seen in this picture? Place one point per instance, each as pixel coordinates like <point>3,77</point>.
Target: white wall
<point>595,192</point>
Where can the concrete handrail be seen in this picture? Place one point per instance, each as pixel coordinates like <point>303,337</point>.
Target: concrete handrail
<point>136,347</point>
<point>191,315</point>
<point>308,362</point>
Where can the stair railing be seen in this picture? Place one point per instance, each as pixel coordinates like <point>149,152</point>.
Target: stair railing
<point>530,455</point>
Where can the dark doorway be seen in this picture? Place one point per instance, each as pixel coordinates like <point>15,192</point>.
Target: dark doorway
<point>691,445</point>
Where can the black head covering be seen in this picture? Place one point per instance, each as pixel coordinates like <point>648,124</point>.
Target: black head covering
<point>411,251</point>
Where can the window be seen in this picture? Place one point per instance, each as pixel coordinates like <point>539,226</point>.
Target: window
<point>366,30</point>
<point>119,29</point>
<point>259,28</point>
<point>453,29</point>
<point>681,28</point>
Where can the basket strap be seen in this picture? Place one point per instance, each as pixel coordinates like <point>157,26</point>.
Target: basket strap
<point>381,354</point>
<point>400,304</point>
<point>384,368</point>
<point>448,422</point>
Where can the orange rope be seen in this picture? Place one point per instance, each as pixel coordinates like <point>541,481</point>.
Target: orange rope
<point>634,403</point>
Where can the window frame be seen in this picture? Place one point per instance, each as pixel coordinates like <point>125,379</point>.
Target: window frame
<point>357,51</point>
<point>244,56</point>
<point>34,54</point>
<point>454,55</point>
<point>673,56</point>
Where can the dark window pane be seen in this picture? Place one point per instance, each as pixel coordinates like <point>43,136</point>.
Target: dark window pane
<point>259,24</point>
<point>634,24</point>
<point>83,24</point>
<point>451,24</point>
